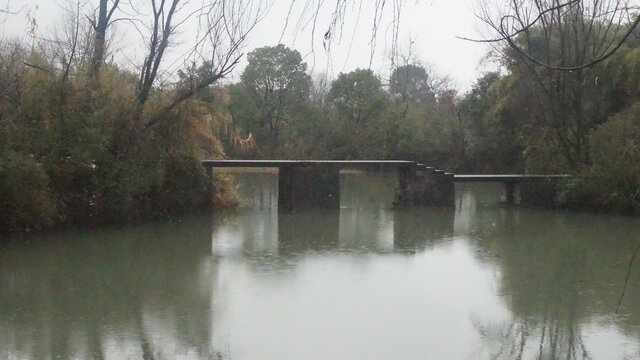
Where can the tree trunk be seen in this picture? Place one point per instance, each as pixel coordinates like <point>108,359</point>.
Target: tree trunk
<point>100,27</point>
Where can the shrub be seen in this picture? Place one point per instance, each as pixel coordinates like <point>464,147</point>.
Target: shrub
<point>612,181</point>
<point>26,201</point>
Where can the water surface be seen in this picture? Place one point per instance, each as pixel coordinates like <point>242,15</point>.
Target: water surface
<point>477,281</point>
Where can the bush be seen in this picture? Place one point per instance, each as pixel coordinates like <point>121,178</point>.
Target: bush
<point>185,186</point>
<point>612,181</point>
<point>26,201</point>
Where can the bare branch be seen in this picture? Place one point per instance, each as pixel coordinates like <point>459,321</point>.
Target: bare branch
<point>38,67</point>
<point>223,27</point>
<point>554,18</point>
<point>626,280</point>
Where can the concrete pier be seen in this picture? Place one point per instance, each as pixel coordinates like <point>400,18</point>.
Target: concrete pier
<point>420,185</point>
<point>313,186</point>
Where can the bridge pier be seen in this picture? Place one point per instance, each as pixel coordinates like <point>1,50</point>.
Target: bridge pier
<point>303,187</point>
<point>419,185</point>
<point>538,192</point>
<point>510,193</point>
<point>210,188</point>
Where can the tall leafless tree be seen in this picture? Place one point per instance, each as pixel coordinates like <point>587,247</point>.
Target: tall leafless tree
<point>217,31</point>
<point>222,30</point>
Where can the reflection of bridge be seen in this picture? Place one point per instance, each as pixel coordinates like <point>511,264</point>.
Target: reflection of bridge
<point>316,183</point>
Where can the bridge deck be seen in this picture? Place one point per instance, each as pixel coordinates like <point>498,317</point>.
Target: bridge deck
<point>373,164</point>
<point>505,178</point>
<point>291,163</point>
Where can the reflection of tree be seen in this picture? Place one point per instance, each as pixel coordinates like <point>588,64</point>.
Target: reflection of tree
<point>420,228</point>
<point>76,295</point>
<point>311,230</point>
<point>556,275</point>
<point>524,339</point>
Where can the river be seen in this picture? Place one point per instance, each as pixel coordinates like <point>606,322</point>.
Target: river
<point>478,281</point>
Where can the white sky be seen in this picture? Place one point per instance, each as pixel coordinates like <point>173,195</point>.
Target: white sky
<point>430,24</point>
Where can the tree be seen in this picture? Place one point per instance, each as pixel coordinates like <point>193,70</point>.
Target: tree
<point>423,115</point>
<point>495,114</point>
<point>105,13</point>
<point>338,13</point>
<point>277,86</point>
<point>360,128</point>
<point>223,28</point>
<point>411,84</point>
<point>357,96</point>
<point>8,9</point>
<point>599,28</point>
<point>212,53</point>
<point>553,49</point>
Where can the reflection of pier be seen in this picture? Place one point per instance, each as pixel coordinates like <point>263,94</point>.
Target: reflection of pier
<point>362,230</point>
<point>364,223</point>
<point>521,189</point>
<point>312,230</point>
<point>417,229</point>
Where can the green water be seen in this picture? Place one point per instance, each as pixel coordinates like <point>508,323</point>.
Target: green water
<point>362,282</point>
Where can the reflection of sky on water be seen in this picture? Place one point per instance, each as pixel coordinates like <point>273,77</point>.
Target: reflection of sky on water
<point>365,281</point>
<point>357,305</point>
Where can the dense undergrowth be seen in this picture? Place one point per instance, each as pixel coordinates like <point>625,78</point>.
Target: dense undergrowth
<point>74,149</point>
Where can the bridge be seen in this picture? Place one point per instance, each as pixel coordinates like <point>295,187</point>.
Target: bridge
<point>316,183</point>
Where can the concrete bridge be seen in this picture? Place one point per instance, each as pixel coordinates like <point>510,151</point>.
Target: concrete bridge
<point>316,183</point>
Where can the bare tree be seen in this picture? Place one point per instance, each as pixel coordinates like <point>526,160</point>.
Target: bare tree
<point>217,30</point>
<point>600,28</point>
<point>100,25</point>
<point>343,14</point>
<point>8,9</point>
<point>555,45</point>
<point>209,33</point>
<point>68,46</point>
<point>162,29</point>
<point>222,29</point>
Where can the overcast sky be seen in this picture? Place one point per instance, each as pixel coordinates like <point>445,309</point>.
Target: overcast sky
<point>430,25</point>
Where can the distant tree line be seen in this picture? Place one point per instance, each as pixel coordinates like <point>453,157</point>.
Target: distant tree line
<point>529,117</point>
